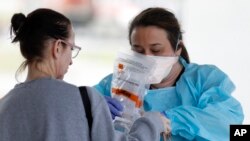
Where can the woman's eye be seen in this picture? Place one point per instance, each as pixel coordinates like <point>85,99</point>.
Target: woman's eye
<point>137,49</point>
<point>156,51</point>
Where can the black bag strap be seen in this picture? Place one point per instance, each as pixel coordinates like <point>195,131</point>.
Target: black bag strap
<point>87,106</point>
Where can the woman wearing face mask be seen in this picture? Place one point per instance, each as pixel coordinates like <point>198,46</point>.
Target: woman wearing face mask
<point>46,108</point>
<point>195,98</point>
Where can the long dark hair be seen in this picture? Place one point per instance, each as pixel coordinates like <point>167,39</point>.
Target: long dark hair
<point>163,19</point>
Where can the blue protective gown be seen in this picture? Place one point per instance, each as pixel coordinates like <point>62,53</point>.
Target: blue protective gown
<point>200,106</point>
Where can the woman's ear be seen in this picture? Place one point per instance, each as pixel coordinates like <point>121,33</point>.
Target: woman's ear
<point>57,49</point>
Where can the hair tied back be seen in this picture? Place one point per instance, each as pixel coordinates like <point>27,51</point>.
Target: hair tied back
<point>17,22</point>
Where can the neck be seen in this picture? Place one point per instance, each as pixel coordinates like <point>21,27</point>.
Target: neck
<point>35,72</point>
<point>171,78</point>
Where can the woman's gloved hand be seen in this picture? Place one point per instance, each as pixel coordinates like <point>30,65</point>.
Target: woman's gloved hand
<point>115,106</point>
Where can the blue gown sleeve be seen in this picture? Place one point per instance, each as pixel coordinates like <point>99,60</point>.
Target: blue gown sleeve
<point>207,108</point>
<point>104,85</point>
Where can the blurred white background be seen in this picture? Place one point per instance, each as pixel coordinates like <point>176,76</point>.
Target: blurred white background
<point>215,32</point>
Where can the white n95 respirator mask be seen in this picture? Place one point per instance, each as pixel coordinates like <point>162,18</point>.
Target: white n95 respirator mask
<point>163,66</point>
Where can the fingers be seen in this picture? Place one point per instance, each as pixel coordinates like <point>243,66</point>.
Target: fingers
<point>115,107</point>
<point>116,104</point>
<point>114,111</point>
<point>113,116</point>
<point>166,124</point>
<point>168,130</point>
<point>165,136</point>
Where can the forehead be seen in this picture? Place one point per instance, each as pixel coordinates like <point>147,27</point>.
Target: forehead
<point>149,32</point>
<point>151,37</point>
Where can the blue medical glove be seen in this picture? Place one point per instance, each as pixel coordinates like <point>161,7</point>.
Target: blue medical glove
<point>115,106</point>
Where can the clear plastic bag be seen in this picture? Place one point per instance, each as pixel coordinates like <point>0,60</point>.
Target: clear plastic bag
<point>131,71</point>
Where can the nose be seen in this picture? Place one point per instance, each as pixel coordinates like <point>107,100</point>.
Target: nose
<point>148,52</point>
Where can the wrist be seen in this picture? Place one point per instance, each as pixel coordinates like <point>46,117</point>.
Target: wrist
<point>164,113</point>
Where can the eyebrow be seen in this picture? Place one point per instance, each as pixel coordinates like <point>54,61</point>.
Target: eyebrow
<point>135,45</point>
<point>155,44</point>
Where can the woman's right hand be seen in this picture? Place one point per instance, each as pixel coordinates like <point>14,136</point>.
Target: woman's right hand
<point>166,123</point>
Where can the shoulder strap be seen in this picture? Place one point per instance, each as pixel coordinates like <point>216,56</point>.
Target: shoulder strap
<point>87,106</point>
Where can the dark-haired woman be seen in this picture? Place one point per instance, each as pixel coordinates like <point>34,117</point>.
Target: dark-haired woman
<point>197,99</point>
